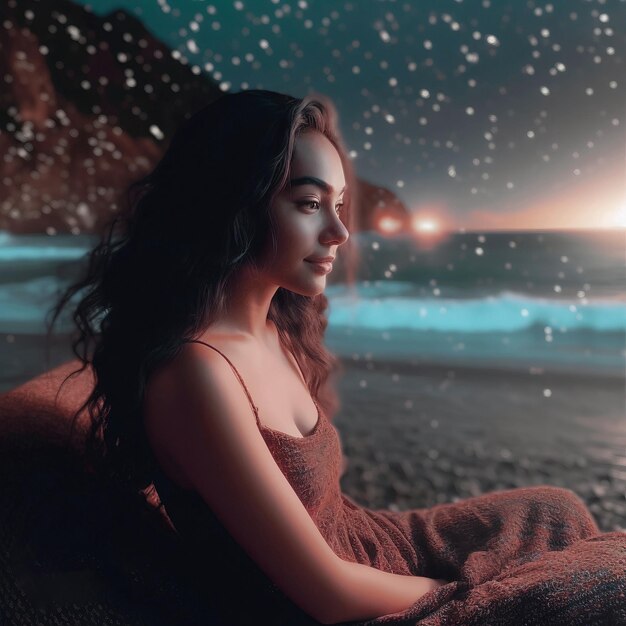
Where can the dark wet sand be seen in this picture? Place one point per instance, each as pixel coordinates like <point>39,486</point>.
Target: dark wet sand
<point>416,436</point>
<point>419,436</point>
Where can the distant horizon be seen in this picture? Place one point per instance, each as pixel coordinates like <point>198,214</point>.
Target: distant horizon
<point>548,229</point>
<point>462,230</point>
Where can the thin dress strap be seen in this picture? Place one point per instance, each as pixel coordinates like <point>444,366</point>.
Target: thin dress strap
<point>254,407</point>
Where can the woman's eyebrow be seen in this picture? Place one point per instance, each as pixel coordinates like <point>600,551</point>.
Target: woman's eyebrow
<point>311,180</point>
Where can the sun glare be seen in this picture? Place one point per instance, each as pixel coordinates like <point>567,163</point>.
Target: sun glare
<point>619,218</point>
<point>389,224</point>
<point>427,226</point>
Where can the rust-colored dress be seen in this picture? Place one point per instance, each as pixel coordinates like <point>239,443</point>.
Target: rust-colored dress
<point>504,552</point>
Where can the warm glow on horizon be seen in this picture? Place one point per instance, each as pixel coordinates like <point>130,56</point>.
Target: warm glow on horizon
<point>618,219</point>
<point>587,205</point>
<point>590,204</point>
<point>561,215</point>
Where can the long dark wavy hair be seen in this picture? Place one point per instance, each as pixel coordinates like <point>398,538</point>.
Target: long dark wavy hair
<point>160,273</point>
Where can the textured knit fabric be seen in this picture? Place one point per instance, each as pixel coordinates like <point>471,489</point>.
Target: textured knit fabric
<point>75,549</point>
<point>531,556</point>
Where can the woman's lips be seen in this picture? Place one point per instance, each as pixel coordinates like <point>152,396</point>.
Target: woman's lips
<point>324,268</point>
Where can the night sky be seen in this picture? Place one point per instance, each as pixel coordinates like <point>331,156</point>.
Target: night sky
<point>476,114</point>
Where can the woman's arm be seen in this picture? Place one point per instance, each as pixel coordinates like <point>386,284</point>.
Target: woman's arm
<point>204,426</point>
<point>367,592</point>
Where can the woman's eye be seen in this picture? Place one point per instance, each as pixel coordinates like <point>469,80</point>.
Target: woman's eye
<point>309,203</point>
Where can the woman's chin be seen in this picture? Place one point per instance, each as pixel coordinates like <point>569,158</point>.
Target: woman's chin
<point>311,290</point>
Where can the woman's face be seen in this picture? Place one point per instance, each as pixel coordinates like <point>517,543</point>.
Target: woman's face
<point>306,214</point>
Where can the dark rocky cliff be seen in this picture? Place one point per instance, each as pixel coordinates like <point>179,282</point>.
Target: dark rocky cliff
<point>87,105</point>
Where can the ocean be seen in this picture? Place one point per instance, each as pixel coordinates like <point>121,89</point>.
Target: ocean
<point>536,300</point>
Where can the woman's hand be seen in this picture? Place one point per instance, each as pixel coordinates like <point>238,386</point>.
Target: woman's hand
<point>367,593</point>
<point>425,584</point>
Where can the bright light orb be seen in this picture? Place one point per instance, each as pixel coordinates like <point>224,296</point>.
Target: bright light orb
<point>389,224</point>
<point>424,225</point>
<point>427,226</point>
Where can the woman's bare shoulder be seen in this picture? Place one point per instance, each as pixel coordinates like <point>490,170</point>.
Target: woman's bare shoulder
<point>164,382</point>
<point>193,355</point>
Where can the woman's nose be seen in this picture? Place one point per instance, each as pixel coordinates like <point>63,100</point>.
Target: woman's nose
<point>336,232</point>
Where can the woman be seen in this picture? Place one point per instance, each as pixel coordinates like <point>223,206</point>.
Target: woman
<point>206,318</point>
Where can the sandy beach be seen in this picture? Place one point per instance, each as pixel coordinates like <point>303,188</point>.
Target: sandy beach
<point>418,435</point>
